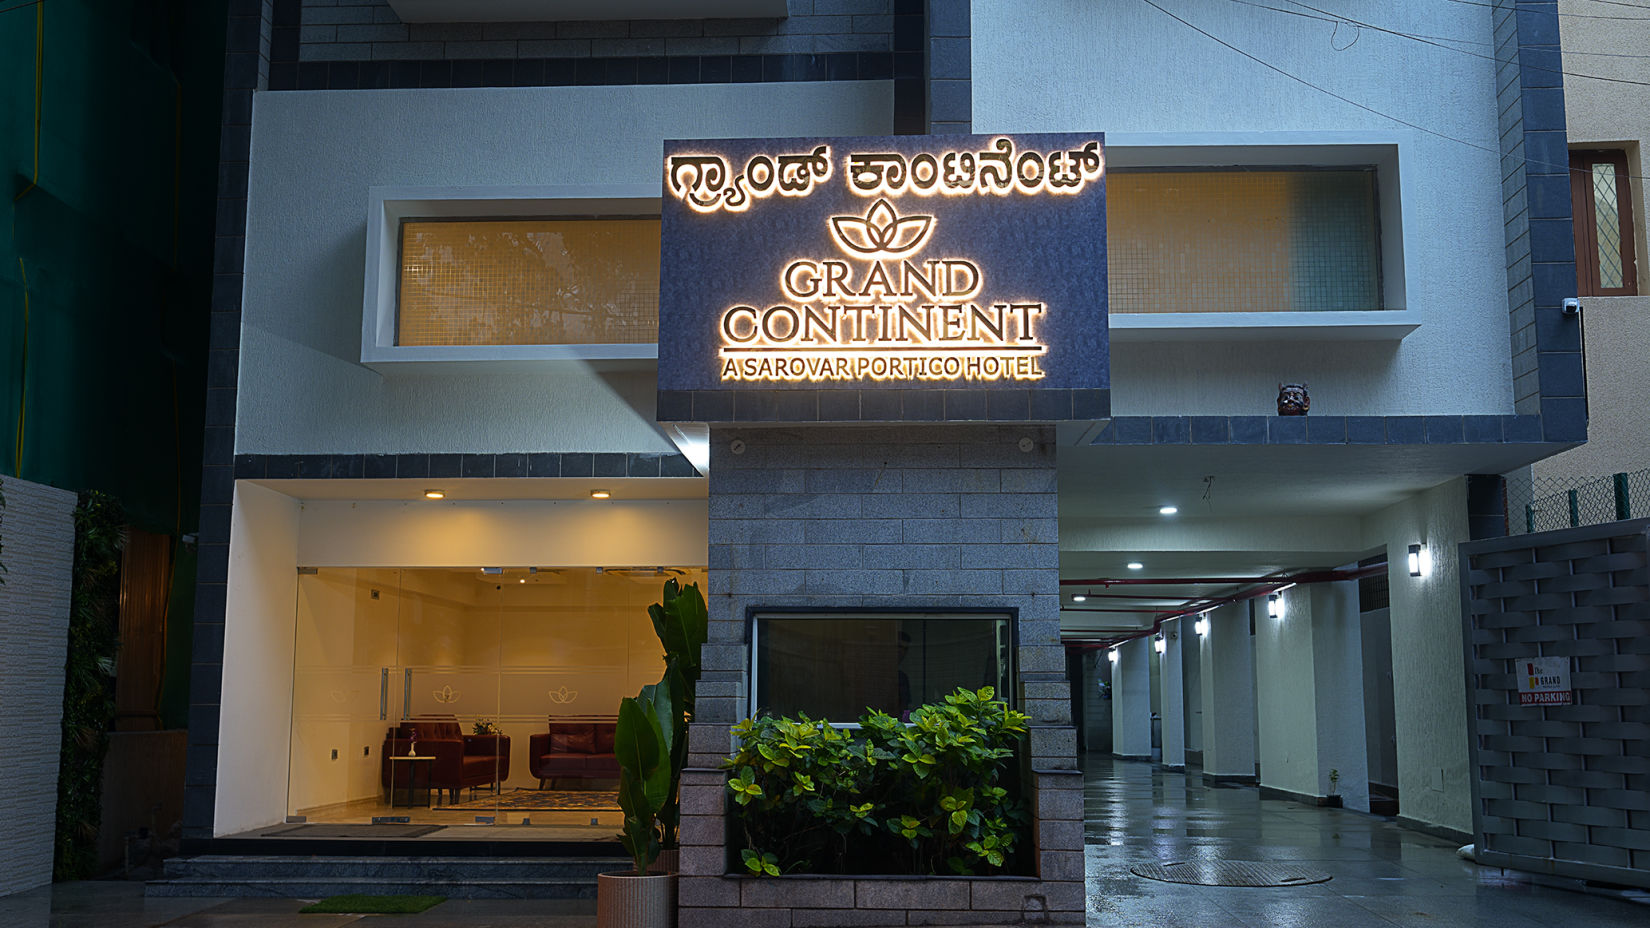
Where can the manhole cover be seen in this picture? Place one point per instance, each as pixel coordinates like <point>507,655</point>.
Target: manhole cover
<point>1230,873</point>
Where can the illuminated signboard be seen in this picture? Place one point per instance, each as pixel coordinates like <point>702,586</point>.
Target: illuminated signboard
<point>884,279</point>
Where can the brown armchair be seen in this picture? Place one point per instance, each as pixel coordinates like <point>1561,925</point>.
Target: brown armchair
<point>461,761</point>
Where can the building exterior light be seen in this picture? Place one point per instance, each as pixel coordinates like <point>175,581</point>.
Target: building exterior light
<point>600,494</point>
<point>1274,606</point>
<point>1112,655</point>
<point>1159,646</point>
<point>435,494</point>
<point>1168,510</point>
<point>1079,598</point>
<point>1136,565</point>
<point>1420,561</point>
<point>1201,626</point>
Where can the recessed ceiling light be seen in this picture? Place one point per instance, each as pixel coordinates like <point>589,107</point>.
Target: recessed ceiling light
<point>435,494</point>
<point>1168,510</point>
<point>600,494</point>
<point>522,580</point>
<point>1079,598</point>
<point>1136,565</point>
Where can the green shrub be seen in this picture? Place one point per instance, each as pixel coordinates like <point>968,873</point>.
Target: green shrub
<point>935,796</point>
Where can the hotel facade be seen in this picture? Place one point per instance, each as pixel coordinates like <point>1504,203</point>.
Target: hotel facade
<point>500,344</point>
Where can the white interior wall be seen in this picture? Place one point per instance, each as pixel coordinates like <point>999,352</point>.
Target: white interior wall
<point>1191,668</point>
<point>1172,695</point>
<point>1428,679</point>
<point>1337,658</point>
<point>255,714</point>
<point>1161,80</point>
<point>314,156</point>
<point>1131,699</point>
<point>1380,737</point>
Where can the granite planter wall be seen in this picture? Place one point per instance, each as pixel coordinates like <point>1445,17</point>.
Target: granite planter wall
<point>914,517</point>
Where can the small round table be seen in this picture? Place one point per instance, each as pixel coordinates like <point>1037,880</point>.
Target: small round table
<point>412,774</point>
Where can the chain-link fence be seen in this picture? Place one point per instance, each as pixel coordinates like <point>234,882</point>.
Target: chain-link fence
<point>1543,503</point>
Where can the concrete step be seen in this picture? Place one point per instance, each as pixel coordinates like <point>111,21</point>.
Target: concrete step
<point>318,877</point>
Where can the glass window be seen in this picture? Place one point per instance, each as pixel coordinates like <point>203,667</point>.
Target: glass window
<point>572,281</point>
<point>1602,204</point>
<point>835,666</point>
<point>1255,241</point>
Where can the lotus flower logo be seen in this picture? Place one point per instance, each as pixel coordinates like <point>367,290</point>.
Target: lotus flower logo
<point>882,233</point>
<point>445,695</point>
<point>563,696</point>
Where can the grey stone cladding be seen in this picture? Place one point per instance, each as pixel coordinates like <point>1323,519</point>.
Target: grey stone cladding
<point>916,516</point>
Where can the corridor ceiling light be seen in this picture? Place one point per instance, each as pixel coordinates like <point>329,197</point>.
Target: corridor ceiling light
<point>1168,510</point>
<point>1136,565</point>
<point>435,494</point>
<point>600,494</point>
<point>1201,626</point>
<point>1112,655</point>
<point>1420,561</point>
<point>1079,598</point>
<point>1274,606</point>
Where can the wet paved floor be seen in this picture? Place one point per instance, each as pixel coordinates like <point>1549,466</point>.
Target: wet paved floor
<point>1383,876</point>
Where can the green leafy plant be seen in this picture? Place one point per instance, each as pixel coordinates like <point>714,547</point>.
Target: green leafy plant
<point>682,624</point>
<point>485,727</point>
<point>931,796</point>
<point>88,682</point>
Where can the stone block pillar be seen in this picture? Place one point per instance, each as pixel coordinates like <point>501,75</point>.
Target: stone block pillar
<point>915,517</point>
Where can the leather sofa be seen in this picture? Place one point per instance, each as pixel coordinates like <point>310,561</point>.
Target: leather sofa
<point>461,761</point>
<point>574,749</point>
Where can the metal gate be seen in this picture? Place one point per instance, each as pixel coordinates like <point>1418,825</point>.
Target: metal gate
<point>1561,771</point>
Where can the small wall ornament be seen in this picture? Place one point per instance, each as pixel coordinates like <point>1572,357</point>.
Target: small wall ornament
<point>445,695</point>
<point>1293,399</point>
<point>563,695</point>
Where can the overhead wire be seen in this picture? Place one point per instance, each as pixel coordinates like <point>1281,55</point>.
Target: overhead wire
<point>1348,100</point>
<point>1336,18</point>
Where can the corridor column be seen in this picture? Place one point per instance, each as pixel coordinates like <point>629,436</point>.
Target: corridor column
<point>1228,691</point>
<point>1131,700</point>
<point>1171,697</point>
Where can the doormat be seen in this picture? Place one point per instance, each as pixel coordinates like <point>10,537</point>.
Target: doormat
<point>1230,873</point>
<point>544,800</point>
<point>352,831</point>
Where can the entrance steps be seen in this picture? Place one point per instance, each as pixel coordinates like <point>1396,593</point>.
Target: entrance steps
<point>320,877</point>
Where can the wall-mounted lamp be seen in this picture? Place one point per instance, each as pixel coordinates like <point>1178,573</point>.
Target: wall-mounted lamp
<point>1274,606</point>
<point>1112,655</point>
<point>1158,645</point>
<point>1420,560</point>
<point>1201,626</point>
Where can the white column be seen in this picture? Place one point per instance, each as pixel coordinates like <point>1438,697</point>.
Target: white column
<point>1337,657</point>
<point>1131,700</point>
<point>1171,699</point>
<point>1228,691</point>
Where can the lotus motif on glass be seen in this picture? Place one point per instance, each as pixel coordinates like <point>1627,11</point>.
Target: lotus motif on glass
<point>445,695</point>
<point>882,233</point>
<point>563,696</point>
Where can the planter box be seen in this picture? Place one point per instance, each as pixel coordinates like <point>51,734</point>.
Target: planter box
<point>803,901</point>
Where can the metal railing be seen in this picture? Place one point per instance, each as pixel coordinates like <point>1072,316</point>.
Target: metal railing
<point>1544,503</point>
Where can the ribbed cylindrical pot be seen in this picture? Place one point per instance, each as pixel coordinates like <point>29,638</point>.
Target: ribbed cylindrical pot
<point>670,861</point>
<point>624,900</point>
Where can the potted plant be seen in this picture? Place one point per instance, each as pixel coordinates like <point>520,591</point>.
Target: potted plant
<point>650,742</point>
<point>1333,800</point>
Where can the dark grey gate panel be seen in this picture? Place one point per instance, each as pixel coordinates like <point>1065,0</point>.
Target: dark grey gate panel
<point>1562,789</point>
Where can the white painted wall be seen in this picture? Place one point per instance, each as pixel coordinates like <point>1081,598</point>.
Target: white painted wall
<point>1228,677</point>
<point>1131,699</point>
<point>1428,679</point>
<point>255,715</point>
<point>1130,71</point>
<point>1171,699</point>
<point>1337,658</point>
<point>37,527</point>
<point>1286,695</point>
<point>1191,668</point>
<point>314,156</point>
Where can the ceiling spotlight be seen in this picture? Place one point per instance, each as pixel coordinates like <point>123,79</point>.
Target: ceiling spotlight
<point>1136,565</point>
<point>1168,510</point>
<point>600,494</point>
<point>435,494</point>
<point>1274,606</point>
<point>1079,598</point>
<point>522,580</point>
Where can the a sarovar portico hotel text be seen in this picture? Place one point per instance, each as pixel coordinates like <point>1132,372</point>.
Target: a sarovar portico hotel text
<point>876,310</point>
